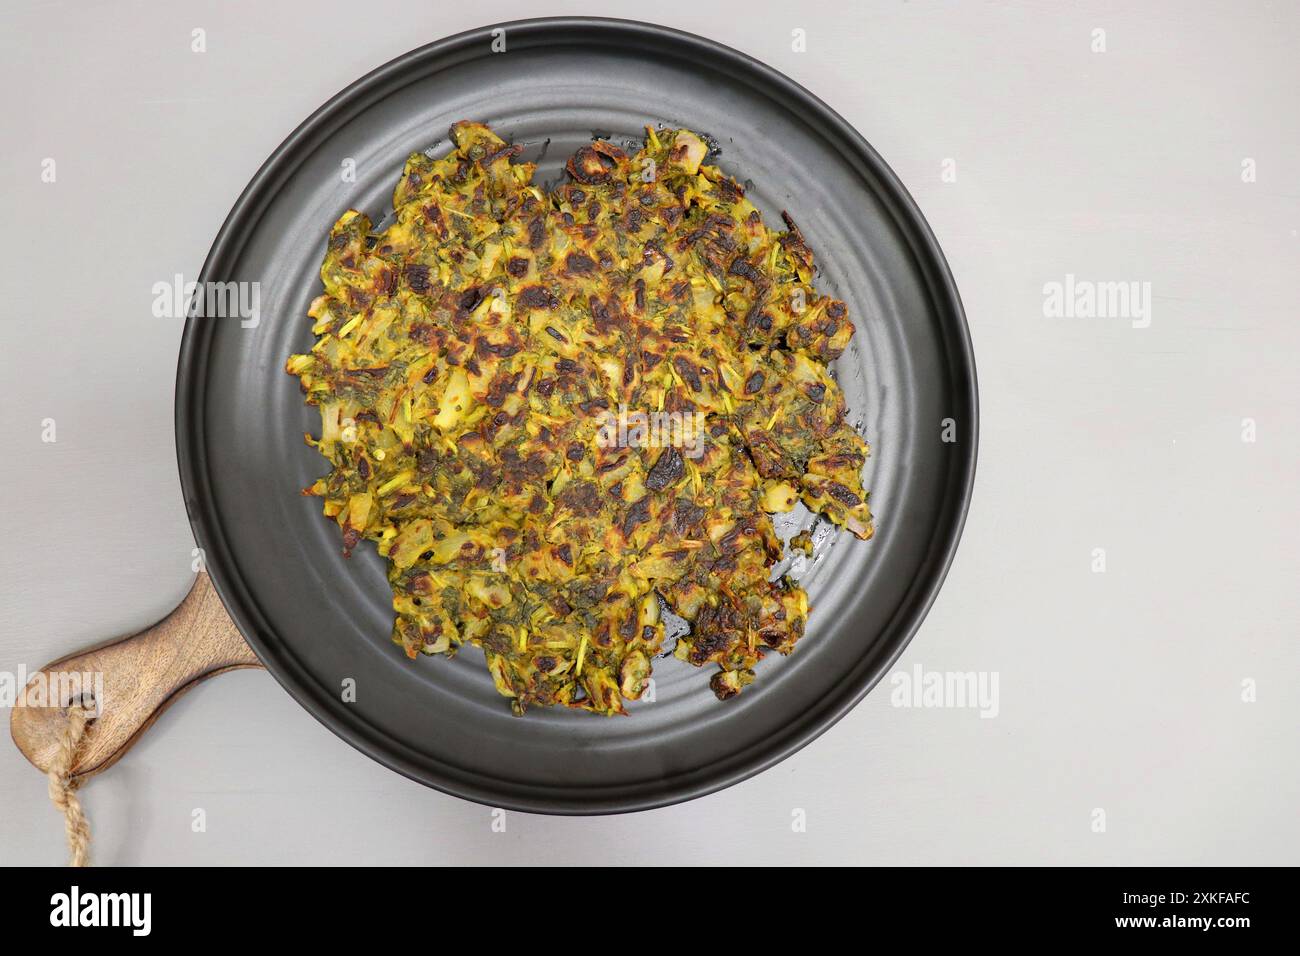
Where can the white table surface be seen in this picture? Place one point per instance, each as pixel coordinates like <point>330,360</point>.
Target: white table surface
<point>1120,691</point>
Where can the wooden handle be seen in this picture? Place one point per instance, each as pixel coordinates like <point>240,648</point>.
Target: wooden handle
<point>130,682</point>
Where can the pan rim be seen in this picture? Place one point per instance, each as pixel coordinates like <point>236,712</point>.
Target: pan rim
<point>396,755</point>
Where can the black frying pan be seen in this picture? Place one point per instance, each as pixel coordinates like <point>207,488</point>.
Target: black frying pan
<point>315,618</point>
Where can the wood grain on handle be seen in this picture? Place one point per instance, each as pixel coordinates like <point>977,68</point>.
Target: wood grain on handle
<point>141,676</point>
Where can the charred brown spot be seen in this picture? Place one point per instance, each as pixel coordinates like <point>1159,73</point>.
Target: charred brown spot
<point>686,515</point>
<point>720,686</point>
<point>503,153</point>
<point>579,263</point>
<point>417,278</point>
<point>843,495</point>
<point>434,215</point>
<point>581,497</point>
<point>652,252</point>
<point>537,297</point>
<point>472,298</point>
<point>758,319</point>
<point>600,312</point>
<point>729,189</point>
<point>667,469</point>
<point>716,629</point>
<point>593,164</point>
<point>743,268</point>
<point>501,349</point>
<point>637,513</point>
<point>689,373</point>
<point>536,233</point>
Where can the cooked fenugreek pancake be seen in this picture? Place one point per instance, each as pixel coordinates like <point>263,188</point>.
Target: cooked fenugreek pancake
<point>553,411</point>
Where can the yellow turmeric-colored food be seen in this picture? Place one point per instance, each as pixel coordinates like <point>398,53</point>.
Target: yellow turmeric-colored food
<point>553,412</point>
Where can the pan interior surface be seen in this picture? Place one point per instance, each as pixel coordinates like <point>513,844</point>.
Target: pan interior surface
<point>318,619</point>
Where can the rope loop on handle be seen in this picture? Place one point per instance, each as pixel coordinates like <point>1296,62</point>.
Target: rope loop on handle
<point>63,786</point>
